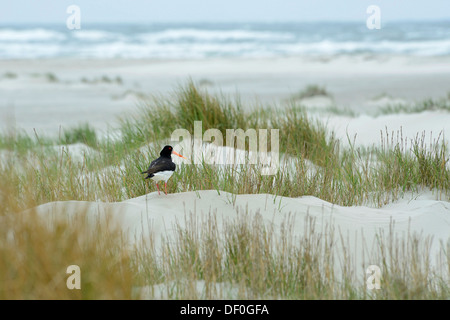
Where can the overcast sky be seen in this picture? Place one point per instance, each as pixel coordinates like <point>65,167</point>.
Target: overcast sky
<point>115,11</point>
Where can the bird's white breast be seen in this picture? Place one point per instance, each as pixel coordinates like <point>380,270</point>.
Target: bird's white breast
<point>162,175</point>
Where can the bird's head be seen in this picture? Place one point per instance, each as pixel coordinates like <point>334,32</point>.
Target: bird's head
<point>167,151</point>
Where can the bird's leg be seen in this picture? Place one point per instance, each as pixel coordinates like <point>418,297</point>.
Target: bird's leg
<point>165,187</point>
<point>157,187</point>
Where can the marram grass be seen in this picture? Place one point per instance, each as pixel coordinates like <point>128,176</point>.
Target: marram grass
<point>323,166</point>
<point>250,260</point>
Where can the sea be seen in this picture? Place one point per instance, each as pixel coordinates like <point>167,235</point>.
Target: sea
<point>206,40</point>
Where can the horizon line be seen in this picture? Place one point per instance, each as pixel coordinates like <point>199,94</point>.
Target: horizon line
<point>404,20</point>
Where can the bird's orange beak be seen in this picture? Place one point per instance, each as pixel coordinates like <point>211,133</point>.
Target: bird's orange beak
<point>177,154</point>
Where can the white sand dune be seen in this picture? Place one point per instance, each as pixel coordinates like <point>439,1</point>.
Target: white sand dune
<point>367,130</point>
<point>155,217</point>
<point>77,151</point>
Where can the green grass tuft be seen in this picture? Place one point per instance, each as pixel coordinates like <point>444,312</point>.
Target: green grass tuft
<point>82,133</point>
<point>311,91</point>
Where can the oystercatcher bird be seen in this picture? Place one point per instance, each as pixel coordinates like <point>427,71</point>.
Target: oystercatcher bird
<point>163,167</point>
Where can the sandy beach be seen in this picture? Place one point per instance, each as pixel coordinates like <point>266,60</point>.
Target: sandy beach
<point>50,94</point>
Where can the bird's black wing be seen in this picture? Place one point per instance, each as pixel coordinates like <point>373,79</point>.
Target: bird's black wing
<point>160,164</point>
<point>153,164</point>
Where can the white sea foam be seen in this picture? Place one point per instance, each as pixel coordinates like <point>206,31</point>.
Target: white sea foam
<point>232,40</point>
<point>215,35</point>
<point>96,35</point>
<point>30,35</point>
<point>29,51</point>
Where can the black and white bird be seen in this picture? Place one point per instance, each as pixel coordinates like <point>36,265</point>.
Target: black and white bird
<point>163,167</point>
